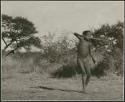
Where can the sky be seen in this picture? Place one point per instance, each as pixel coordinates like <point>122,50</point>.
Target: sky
<point>65,16</point>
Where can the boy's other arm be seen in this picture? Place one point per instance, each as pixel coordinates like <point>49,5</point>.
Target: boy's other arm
<point>91,53</point>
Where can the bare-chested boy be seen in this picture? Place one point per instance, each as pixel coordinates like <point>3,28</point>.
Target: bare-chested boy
<point>84,55</point>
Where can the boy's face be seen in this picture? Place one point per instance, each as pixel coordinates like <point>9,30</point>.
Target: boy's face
<point>89,35</point>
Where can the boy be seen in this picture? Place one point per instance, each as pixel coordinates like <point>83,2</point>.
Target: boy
<point>84,56</point>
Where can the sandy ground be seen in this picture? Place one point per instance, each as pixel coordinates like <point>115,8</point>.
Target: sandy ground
<point>34,86</point>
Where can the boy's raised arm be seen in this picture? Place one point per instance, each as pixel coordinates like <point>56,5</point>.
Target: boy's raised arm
<point>78,35</point>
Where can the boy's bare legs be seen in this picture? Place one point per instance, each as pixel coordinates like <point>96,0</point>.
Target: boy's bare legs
<point>88,72</point>
<point>81,65</point>
<point>83,82</point>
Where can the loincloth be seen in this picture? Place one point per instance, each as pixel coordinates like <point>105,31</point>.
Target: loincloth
<point>88,62</point>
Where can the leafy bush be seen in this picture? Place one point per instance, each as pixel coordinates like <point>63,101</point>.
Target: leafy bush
<point>114,33</point>
<point>62,60</point>
<point>55,50</point>
<point>109,59</point>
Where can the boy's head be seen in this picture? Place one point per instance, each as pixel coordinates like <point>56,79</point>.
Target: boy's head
<point>87,33</point>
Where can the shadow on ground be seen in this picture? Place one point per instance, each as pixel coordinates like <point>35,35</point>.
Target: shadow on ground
<point>50,88</point>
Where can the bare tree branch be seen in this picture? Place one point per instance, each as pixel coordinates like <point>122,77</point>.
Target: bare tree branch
<point>4,41</point>
<point>7,45</point>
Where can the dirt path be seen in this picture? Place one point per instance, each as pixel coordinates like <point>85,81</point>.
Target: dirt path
<point>41,87</point>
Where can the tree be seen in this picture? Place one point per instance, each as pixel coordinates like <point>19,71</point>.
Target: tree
<point>18,32</point>
<point>113,33</point>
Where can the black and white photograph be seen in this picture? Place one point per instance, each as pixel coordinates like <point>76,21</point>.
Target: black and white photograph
<point>62,50</point>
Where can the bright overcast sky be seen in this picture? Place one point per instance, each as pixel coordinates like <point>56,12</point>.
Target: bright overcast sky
<point>59,16</point>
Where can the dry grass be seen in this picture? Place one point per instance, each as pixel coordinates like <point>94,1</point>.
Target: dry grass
<point>34,86</point>
<point>26,79</point>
